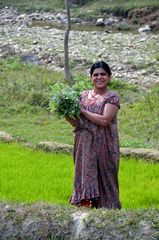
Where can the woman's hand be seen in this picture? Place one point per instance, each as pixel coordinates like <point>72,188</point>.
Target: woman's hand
<point>82,108</point>
<point>72,121</point>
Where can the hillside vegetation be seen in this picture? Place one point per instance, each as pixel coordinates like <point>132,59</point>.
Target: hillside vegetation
<point>90,7</point>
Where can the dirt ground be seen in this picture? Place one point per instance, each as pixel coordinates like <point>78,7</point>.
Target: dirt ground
<point>145,16</point>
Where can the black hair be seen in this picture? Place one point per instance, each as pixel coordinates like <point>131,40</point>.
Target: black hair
<point>101,64</point>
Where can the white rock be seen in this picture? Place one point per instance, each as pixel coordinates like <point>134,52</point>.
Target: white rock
<point>146,29</point>
<point>100,22</point>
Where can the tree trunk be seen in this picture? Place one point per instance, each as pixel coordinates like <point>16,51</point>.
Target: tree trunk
<point>79,2</point>
<point>66,52</point>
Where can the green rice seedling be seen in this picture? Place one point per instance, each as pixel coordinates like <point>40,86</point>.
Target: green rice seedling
<point>139,183</point>
<point>29,176</point>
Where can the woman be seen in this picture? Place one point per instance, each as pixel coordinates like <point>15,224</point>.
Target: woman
<point>96,148</point>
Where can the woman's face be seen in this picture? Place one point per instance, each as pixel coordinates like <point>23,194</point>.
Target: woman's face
<point>100,78</point>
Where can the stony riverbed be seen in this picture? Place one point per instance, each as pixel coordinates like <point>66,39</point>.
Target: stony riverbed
<point>134,57</point>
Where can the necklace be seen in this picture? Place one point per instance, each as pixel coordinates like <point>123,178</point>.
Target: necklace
<point>98,96</point>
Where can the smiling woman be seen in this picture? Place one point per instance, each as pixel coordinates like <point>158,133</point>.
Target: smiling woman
<point>96,148</point>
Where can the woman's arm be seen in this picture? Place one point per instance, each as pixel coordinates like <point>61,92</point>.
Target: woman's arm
<point>109,113</point>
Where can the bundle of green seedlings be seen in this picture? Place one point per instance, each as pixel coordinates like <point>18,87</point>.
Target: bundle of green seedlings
<point>65,100</point>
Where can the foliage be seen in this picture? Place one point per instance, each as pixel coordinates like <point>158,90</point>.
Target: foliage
<point>65,101</point>
<point>65,98</point>
<point>116,84</point>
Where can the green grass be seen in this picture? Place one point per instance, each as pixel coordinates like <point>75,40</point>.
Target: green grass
<point>29,176</point>
<point>25,85</point>
<point>35,127</point>
<point>138,122</point>
<point>31,6</point>
<point>125,5</point>
<point>90,9</point>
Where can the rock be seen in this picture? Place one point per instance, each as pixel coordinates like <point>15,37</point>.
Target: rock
<point>100,22</point>
<point>76,20</point>
<point>22,16</point>
<point>145,29</point>
<point>47,27</point>
<point>30,58</point>
<point>78,226</point>
<point>35,42</point>
<point>6,137</point>
<point>110,21</point>
<point>48,18</point>
<point>34,16</point>
<point>61,16</point>
<point>154,25</point>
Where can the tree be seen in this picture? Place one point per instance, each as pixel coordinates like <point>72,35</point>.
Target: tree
<point>68,75</point>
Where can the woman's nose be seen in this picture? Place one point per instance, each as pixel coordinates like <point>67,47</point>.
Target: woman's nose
<point>99,75</point>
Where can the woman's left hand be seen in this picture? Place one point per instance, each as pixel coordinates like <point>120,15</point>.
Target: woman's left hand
<point>82,108</point>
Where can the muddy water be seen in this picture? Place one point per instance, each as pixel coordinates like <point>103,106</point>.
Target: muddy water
<point>74,27</point>
<point>78,27</point>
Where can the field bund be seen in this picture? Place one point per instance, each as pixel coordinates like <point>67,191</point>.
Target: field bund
<point>44,221</point>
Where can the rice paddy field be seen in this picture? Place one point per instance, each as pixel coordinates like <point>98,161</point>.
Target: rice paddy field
<point>28,175</point>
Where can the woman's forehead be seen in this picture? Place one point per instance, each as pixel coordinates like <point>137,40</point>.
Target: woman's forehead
<point>98,70</point>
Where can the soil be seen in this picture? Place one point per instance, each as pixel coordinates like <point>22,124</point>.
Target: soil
<point>145,16</point>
